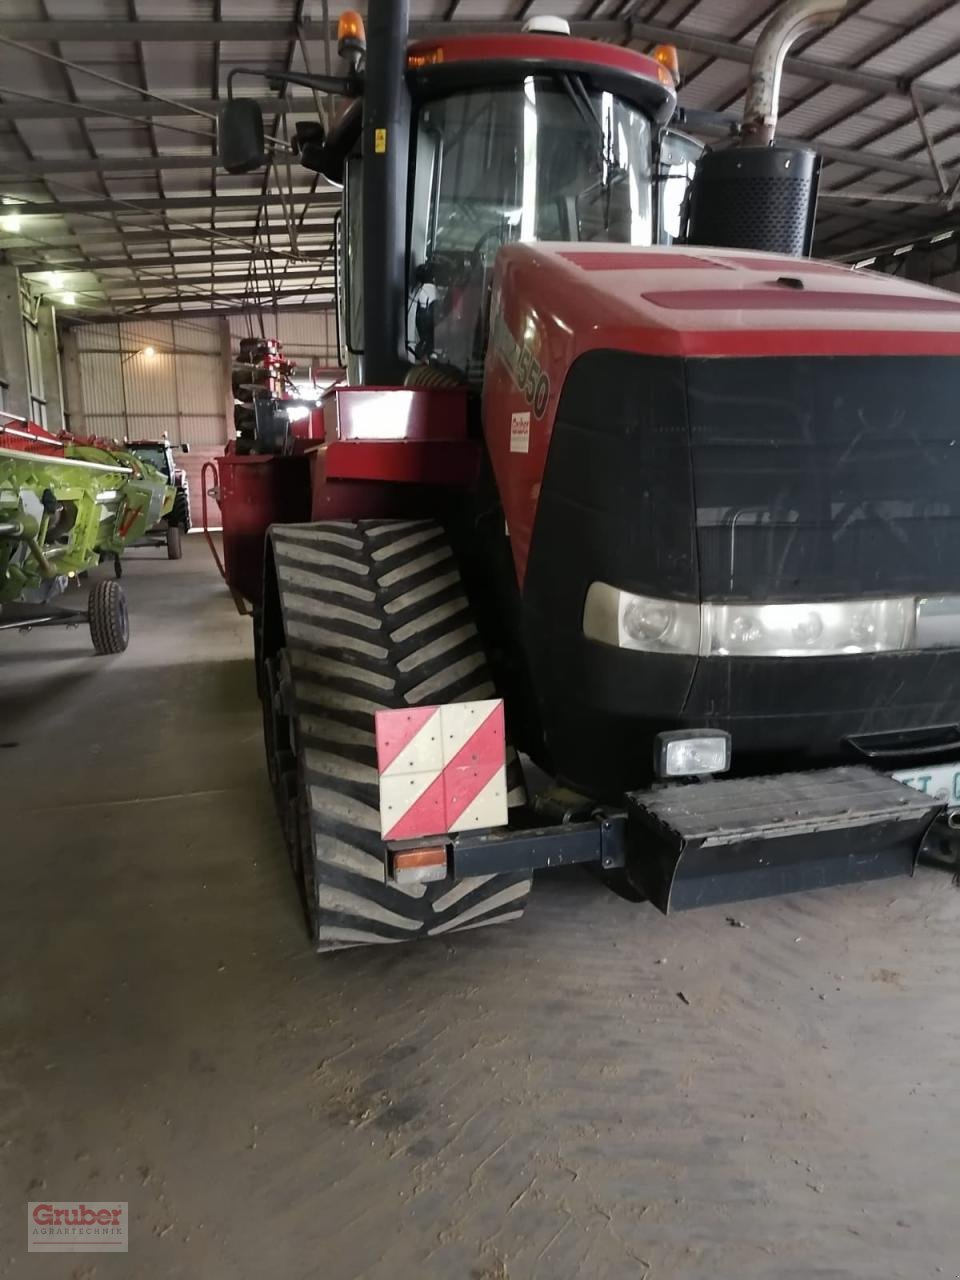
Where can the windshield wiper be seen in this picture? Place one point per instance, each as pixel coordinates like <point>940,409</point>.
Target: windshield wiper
<point>573,87</point>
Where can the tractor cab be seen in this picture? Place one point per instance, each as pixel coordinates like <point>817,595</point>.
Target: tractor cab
<point>159,455</point>
<point>500,139</point>
<point>549,157</point>
<point>512,139</point>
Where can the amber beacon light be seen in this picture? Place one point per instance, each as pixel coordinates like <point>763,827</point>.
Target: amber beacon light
<point>666,56</point>
<point>351,37</point>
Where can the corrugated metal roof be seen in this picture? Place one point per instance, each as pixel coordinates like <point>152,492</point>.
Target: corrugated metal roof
<point>900,42</point>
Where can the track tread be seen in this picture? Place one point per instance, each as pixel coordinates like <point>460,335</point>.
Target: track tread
<point>375,616</point>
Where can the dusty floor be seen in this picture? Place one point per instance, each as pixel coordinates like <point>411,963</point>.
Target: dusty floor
<point>537,1101</point>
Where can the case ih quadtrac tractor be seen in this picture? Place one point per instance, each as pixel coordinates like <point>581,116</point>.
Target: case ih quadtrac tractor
<point>688,514</point>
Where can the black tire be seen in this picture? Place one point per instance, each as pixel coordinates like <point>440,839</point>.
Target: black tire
<point>174,544</point>
<point>359,616</point>
<point>180,512</point>
<point>257,620</point>
<point>107,615</point>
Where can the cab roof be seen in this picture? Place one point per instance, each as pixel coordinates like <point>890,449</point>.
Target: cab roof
<point>457,63</point>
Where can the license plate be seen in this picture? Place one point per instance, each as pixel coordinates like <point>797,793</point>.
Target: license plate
<point>941,781</point>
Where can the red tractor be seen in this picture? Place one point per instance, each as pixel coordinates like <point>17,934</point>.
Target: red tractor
<point>685,514</point>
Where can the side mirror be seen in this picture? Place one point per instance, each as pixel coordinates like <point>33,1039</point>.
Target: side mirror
<point>240,141</point>
<point>184,448</point>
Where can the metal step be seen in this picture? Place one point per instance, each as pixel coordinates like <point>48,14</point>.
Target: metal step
<point>736,838</point>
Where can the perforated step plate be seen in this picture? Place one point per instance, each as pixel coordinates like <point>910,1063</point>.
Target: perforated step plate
<point>736,838</point>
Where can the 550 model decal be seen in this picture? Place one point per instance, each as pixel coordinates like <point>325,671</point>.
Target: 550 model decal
<point>523,365</point>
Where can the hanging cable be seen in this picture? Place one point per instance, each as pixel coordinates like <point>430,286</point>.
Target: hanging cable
<point>202,232</point>
<point>118,84</point>
<point>104,111</point>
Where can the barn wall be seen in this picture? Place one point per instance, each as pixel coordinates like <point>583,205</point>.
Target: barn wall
<point>113,388</point>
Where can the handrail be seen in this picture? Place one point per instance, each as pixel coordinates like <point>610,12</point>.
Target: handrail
<point>214,493</point>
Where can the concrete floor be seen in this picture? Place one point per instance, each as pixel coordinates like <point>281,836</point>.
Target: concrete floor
<point>536,1101</point>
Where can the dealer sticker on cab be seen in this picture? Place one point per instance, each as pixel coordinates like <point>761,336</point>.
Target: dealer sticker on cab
<point>520,433</point>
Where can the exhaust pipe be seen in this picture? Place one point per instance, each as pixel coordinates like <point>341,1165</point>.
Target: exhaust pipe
<point>953,819</point>
<point>755,194</point>
<point>783,30</point>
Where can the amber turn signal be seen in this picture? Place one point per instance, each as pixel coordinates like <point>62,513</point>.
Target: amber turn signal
<point>417,866</point>
<point>425,58</point>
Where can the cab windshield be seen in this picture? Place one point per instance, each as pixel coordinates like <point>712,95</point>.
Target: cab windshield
<point>153,454</point>
<point>548,158</point>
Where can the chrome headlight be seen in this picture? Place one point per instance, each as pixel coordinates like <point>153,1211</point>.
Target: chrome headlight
<point>801,630</point>
<point>640,622</point>
<point>826,628</point>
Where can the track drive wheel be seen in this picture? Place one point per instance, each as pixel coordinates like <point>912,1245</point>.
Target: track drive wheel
<point>107,615</point>
<point>361,616</point>
<point>174,543</point>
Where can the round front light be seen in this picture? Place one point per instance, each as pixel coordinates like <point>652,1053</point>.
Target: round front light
<point>809,630</point>
<point>745,630</point>
<point>647,620</point>
<point>864,629</point>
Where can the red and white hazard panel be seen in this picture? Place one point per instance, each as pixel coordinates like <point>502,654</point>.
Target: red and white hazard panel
<point>441,769</point>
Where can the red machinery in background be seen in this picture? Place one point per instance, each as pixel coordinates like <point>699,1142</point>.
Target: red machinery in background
<point>287,448</point>
<point>273,421</point>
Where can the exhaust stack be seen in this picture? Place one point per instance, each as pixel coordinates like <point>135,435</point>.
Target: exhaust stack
<point>781,33</point>
<point>755,194</point>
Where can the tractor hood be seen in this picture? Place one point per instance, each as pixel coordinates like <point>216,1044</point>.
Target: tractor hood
<point>710,326</point>
<point>741,440</point>
<point>674,301</point>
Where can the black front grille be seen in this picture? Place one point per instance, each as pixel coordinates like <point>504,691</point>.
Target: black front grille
<point>826,477</point>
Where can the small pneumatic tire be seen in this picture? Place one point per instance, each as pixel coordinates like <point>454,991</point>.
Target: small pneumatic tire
<point>108,618</point>
<point>180,513</point>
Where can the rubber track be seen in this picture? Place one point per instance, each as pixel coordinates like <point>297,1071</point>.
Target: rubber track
<point>375,617</point>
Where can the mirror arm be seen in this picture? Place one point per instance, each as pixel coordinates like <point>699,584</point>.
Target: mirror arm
<point>350,86</point>
<point>715,122</point>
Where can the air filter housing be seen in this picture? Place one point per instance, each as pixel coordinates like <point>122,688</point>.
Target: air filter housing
<point>755,198</point>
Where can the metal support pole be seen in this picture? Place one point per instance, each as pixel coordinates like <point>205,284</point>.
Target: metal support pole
<point>386,148</point>
<point>50,365</point>
<point>13,344</point>
<point>928,142</point>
